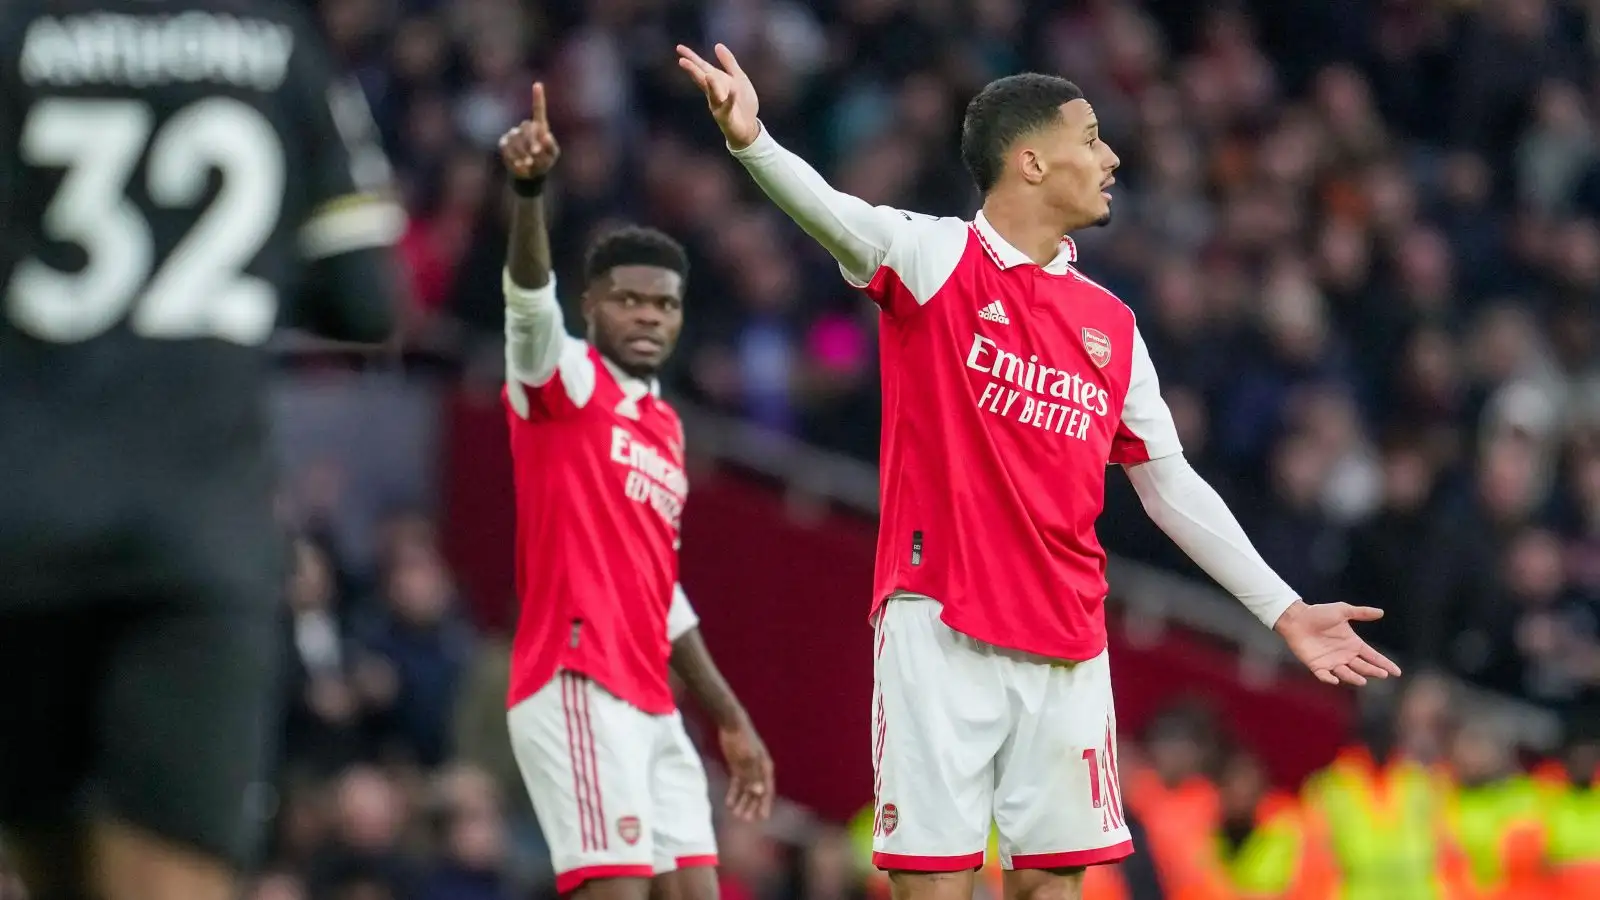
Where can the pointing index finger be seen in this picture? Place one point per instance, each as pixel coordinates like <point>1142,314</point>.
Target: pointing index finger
<point>538,113</point>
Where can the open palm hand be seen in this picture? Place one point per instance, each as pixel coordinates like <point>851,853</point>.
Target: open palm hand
<point>1321,637</point>
<point>729,94</point>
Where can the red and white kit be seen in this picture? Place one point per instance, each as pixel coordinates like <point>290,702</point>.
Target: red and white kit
<point>598,465</point>
<point>1008,387</point>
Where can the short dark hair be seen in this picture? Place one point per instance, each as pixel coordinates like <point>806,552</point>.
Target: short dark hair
<point>634,245</point>
<point>1005,110</point>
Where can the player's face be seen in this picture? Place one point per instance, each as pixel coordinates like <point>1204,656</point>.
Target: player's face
<point>634,315</point>
<point>1077,166</point>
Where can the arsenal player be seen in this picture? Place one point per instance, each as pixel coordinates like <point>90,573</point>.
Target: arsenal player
<point>1010,381</point>
<point>618,788</point>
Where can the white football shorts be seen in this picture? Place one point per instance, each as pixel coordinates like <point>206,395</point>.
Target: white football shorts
<point>965,732</point>
<point>618,792</point>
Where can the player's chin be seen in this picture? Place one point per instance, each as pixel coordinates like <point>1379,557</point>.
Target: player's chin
<point>1105,211</point>
<point>641,362</point>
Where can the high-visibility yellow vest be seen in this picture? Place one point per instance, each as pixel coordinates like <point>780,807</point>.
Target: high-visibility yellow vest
<point>1178,823</point>
<point>860,831</point>
<point>1498,829</point>
<point>1381,828</point>
<point>1572,839</point>
<point>1268,865</point>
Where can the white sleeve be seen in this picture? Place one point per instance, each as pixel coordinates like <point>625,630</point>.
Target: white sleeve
<point>922,250</point>
<point>538,348</point>
<point>1146,431</point>
<point>1188,509</point>
<point>681,618</point>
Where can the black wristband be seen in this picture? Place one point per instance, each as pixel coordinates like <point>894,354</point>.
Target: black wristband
<point>528,188</point>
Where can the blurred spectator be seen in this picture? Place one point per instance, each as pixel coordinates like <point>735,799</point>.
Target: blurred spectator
<point>440,232</point>
<point>1261,838</point>
<point>829,870</point>
<point>1292,530</point>
<point>1173,796</point>
<point>11,886</point>
<point>323,726</point>
<point>418,648</point>
<point>1417,725</point>
<point>1571,853</point>
<point>1556,150</point>
<point>363,856</point>
<point>1537,638</point>
<point>1468,538</point>
<point>1389,846</point>
<point>1382,560</point>
<point>472,839</point>
<point>278,886</point>
<point>1494,817</point>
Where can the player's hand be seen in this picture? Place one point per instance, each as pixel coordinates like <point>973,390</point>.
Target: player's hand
<point>750,784</point>
<point>729,93</point>
<point>530,149</point>
<point>1321,637</point>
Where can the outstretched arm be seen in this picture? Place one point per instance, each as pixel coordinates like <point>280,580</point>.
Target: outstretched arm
<point>1189,510</point>
<point>750,783</point>
<point>857,234</point>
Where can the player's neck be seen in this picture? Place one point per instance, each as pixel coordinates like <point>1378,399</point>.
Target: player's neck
<point>645,383</point>
<point>1027,226</point>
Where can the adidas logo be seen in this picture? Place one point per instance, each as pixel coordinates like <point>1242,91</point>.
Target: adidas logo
<point>994,312</point>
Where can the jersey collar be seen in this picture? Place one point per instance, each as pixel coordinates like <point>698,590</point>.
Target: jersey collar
<point>1006,256</point>
<point>634,388</point>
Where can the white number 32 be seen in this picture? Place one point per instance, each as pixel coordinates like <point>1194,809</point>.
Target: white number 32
<point>200,290</point>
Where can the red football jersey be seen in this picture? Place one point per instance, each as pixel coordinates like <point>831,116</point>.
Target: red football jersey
<point>1007,389</point>
<point>600,485</point>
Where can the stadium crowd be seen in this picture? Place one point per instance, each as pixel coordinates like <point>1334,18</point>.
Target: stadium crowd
<point>1362,239</point>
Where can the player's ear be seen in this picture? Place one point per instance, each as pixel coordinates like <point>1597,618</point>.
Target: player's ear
<point>1031,165</point>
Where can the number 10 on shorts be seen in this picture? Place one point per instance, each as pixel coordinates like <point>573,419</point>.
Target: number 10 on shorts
<point>1105,786</point>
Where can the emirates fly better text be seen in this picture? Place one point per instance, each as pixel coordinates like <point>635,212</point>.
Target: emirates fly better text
<point>1045,397</point>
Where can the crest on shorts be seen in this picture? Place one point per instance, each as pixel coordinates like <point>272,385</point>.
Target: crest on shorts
<point>1098,345</point>
<point>888,818</point>
<point>628,829</point>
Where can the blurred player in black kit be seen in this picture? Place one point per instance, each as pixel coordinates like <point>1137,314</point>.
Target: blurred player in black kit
<point>177,178</point>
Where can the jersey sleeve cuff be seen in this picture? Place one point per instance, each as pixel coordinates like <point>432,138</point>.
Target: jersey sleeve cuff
<point>521,299</point>
<point>761,146</point>
<point>1269,611</point>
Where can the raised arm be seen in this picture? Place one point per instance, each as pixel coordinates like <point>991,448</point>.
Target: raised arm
<point>857,234</point>
<point>535,334</point>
